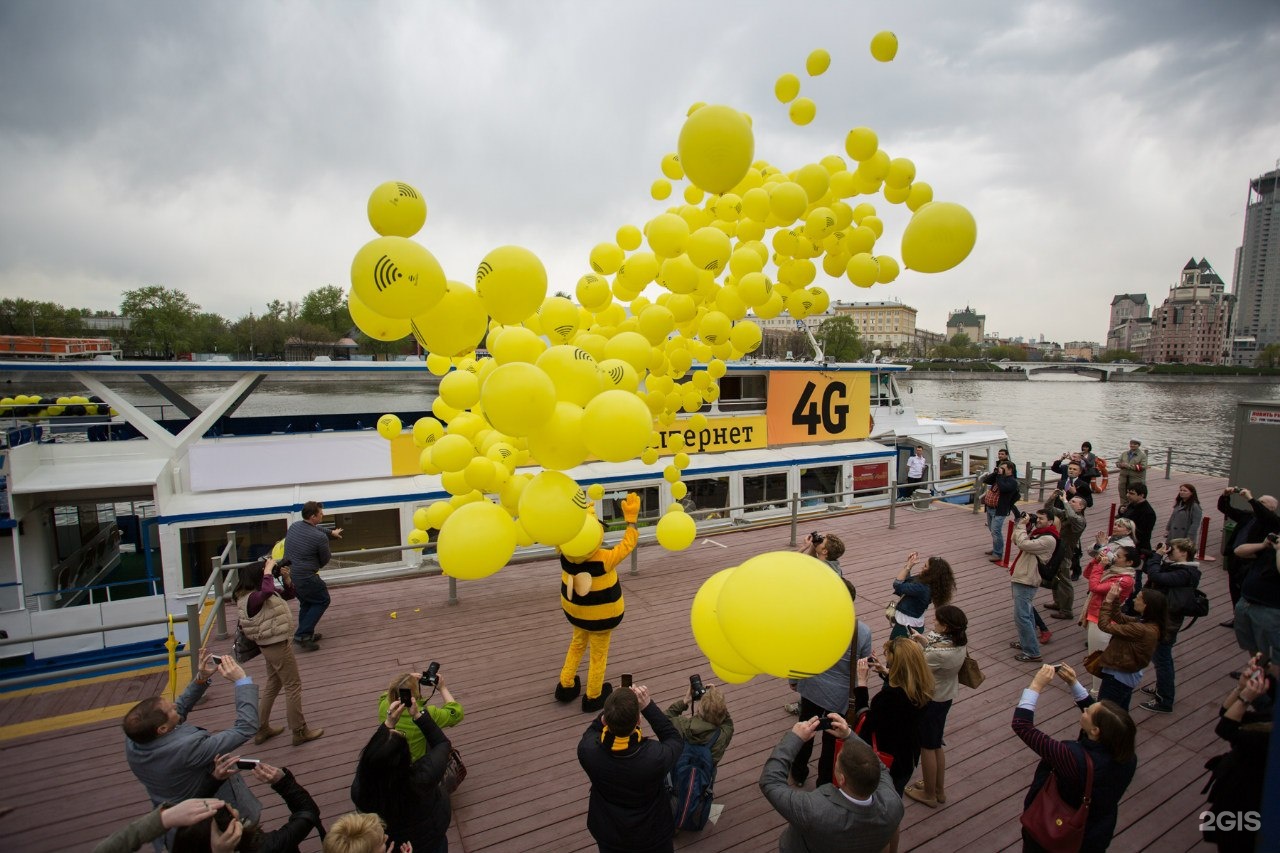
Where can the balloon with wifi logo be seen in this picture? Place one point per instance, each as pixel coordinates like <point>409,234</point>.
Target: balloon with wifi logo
<point>455,326</point>
<point>396,209</point>
<point>559,319</point>
<point>512,284</point>
<point>396,277</point>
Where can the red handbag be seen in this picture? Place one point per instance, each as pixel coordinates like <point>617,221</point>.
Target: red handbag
<point>1054,825</point>
<point>885,758</point>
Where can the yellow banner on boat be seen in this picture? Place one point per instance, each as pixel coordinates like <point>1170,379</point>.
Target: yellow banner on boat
<point>809,406</point>
<point>745,432</point>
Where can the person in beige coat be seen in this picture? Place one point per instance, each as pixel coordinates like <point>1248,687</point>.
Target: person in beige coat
<point>1035,538</point>
<point>266,619</point>
<point>945,648</point>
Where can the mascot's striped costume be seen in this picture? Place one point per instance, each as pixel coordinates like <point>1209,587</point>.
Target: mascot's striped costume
<point>591,596</point>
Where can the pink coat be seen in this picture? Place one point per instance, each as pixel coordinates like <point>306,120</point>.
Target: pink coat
<point>1098,588</point>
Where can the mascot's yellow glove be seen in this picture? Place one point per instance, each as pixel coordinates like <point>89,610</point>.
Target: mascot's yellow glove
<point>631,507</point>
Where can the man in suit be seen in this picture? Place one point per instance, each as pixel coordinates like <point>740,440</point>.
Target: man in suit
<point>1074,481</point>
<point>174,759</point>
<point>858,811</point>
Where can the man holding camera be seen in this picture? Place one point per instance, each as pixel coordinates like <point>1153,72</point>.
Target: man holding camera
<point>1075,479</point>
<point>827,547</point>
<point>859,811</point>
<point>1247,527</point>
<point>1005,481</point>
<point>1036,538</point>
<point>172,758</point>
<point>630,807</point>
<point>1256,560</point>
<point>306,547</point>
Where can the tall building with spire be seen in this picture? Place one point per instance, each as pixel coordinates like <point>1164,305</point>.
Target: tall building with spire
<point>1193,325</point>
<point>1256,282</point>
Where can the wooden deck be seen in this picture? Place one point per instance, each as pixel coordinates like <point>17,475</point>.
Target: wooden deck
<point>501,649</point>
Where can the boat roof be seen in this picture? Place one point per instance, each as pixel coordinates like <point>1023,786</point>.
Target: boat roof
<point>107,470</point>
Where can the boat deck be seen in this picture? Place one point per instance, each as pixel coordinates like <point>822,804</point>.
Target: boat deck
<point>501,649</point>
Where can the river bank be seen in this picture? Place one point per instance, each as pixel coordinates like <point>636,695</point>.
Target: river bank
<point>1166,378</point>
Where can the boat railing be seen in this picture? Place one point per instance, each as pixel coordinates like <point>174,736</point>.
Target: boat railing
<point>96,594</point>
<point>1044,478</point>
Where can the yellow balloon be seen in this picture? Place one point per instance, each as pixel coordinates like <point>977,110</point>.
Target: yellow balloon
<point>559,443</point>
<point>861,143</point>
<point>435,514</point>
<point>786,88</point>
<point>631,347</point>
<point>574,373</point>
<point>814,179</point>
<point>787,614</point>
<point>460,389</point>
<point>477,540</point>
<point>709,249</point>
<point>587,541</point>
<point>373,324</point>
<point>628,237</point>
<point>455,326</point>
<point>888,269</point>
<point>714,328</point>
<point>787,201</point>
<point>693,194</point>
<point>754,288</point>
<point>396,209</point>
<point>518,398</point>
<point>705,621</point>
<point>593,292</point>
<point>671,166</point>
<point>901,173</point>
<point>426,432</point>
<point>728,676</point>
<point>418,537</point>
<point>676,531</point>
<point>595,491</point>
<point>884,46</point>
<point>511,282</point>
<point>862,270</point>
<point>639,270</point>
<point>277,550</point>
<point>656,322</point>
<point>616,426</point>
<point>920,195</point>
<point>939,236</point>
<point>516,343</point>
<point>716,148</point>
<point>660,189</point>
<point>559,318</point>
<point>451,453</point>
<point>802,111</point>
<point>389,426</point>
<point>396,277</point>
<point>667,235</point>
<point>551,508</point>
<point>509,494</point>
<point>606,258</point>
<point>817,62</point>
<point>438,365</point>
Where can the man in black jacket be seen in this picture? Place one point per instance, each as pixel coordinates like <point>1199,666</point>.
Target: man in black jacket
<point>630,809</point>
<point>1004,480</point>
<point>1251,527</point>
<point>1075,480</point>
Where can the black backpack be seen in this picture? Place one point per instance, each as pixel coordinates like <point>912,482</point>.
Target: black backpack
<point>691,781</point>
<point>1049,568</point>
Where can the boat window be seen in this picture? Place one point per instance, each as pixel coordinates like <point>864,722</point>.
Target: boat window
<point>817,482</point>
<point>254,539</point>
<point>884,391</point>
<point>75,525</point>
<point>364,529</point>
<point>707,498</point>
<point>611,509</point>
<point>743,393</point>
<point>978,461</point>
<point>951,465</point>
<point>766,487</point>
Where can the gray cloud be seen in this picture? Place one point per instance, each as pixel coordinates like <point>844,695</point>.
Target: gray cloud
<point>228,149</point>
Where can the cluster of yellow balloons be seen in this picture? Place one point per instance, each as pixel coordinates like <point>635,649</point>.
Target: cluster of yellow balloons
<point>782,613</point>
<point>566,380</point>
<point>36,407</point>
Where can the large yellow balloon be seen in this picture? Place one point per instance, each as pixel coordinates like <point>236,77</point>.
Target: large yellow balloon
<point>616,425</point>
<point>716,148</point>
<point>884,46</point>
<point>455,326</point>
<point>573,372</point>
<point>477,540</point>
<point>559,443</point>
<point>516,343</point>
<point>396,277</point>
<point>787,614</point>
<point>939,236</point>
<point>862,270</point>
<point>705,621</point>
<point>373,324</point>
<point>512,282</point>
<point>667,235</point>
<point>396,209</point>
<point>676,531</point>
<point>551,508</point>
<point>618,374</point>
<point>709,249</point>
<point>518,398</point>
<point>559,318</point>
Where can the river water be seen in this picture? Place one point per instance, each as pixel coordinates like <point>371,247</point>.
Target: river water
<point>1048,416</point>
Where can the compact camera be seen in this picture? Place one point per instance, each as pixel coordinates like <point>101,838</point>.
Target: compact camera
<point>1273,538</point>
<point>432,676</point>
<point>246,763</point>
<point>696,690</point>
<point>816,538</point>
<point>824,723</point>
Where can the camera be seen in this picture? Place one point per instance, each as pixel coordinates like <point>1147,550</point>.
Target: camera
<point>431,677</point>
<point>1273,538</point>
<point>1235,490</point>
<point>824,723</point>
<point>246,763</point>
<point>696,690</point>
<point>816,538</point>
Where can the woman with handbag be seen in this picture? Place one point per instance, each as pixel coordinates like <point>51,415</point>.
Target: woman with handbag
<point>892,720</point>
<point>1175,572</point>
<point>1078,785</point>
<point>935,585</point>
<point>1133,642</point>
<point>944,651</point>
<point>406,794</point>
<point>1111,568</point>
<point>266,619</point>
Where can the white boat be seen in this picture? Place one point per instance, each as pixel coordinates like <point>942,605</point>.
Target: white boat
<point>84,495</point>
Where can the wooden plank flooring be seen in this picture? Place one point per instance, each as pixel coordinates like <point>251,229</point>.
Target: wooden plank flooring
<point>501,649</point>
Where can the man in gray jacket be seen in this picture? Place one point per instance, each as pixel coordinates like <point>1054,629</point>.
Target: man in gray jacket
<point>174,759</point>
<point>858,813</point>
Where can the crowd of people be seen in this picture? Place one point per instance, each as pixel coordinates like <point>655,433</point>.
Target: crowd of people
<point>872,744</point>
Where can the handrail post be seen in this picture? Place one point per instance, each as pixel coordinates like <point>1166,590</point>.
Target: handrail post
<point>1044,469</point>
<point>193,637</point>
<point>1027,488</point>
<point>219,594</point>
<point>977,493</point>
<point>795,513</point>
<point>635,560</point>
<point>893,505</point>
<point>1168,464</point>
<point>453,590</point>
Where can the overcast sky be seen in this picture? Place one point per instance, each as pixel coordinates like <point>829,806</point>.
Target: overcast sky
<point>228,149</point>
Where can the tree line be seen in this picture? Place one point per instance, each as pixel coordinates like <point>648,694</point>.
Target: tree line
<point>165,322</point>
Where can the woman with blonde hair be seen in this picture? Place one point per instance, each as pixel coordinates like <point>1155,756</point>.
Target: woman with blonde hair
<point>945,648</point>
<point>893,717</point>
<point>359,832</point>
<point>444,716</point>
<point>710,718</point>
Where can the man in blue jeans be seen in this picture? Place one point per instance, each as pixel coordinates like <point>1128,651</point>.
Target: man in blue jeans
<point>306,545</point>
<point>1004,480</point>
<point>1035,540</point>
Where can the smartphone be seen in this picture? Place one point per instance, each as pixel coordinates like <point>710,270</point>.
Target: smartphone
<point>626,679</point>
<point>406,697</point>
<point>216,660</point>
<point>824,723</point>
<point>246,763</point>
<point>1059,667</point>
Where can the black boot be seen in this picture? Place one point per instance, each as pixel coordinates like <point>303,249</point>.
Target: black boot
<point>593,705</point>
<point>568,694</point>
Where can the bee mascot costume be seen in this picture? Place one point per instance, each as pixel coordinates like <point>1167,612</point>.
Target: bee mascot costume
<point>591,597</point>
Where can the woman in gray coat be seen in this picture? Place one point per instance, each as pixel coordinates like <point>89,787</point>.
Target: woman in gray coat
<point>1184,520</point>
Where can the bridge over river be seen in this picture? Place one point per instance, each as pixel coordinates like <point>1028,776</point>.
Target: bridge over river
<point>1102,371</point>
